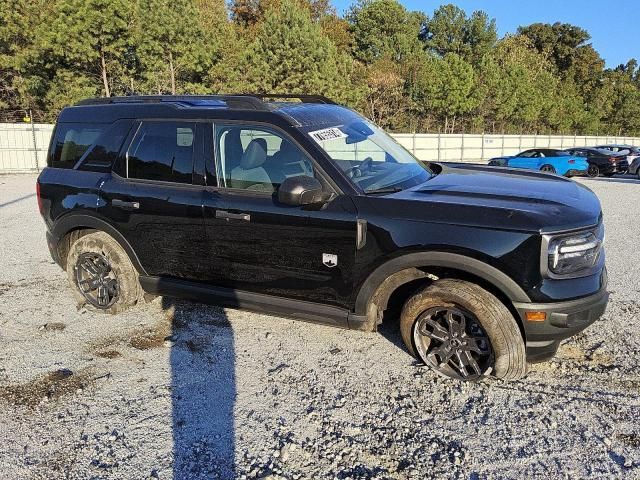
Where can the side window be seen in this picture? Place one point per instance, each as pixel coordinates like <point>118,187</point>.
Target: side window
<point>257,158</point>
<point>71,141</point>
<point>527,154</point>
<point>106,148</point>
<point>162,151</point>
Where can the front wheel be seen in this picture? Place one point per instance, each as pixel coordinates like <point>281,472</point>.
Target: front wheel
<point>462,331</point>
<point>101,274</point>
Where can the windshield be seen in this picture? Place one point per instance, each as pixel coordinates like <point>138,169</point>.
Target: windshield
<point>370,158</point>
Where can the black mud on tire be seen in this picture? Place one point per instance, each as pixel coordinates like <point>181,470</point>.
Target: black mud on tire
<point>129,290</point>
<point>509,355</point>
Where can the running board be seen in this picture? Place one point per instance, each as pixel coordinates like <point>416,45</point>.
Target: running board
<point>227,297</point>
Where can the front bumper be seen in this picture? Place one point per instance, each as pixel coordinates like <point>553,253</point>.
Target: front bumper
<point>563,320</point>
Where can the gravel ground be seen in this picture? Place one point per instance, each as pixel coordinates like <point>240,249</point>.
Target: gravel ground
<point>172,389</point>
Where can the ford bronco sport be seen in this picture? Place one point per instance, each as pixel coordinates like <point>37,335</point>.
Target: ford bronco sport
<point>303,208</point>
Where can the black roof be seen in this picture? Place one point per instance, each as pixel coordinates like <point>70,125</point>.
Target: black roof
<point>297,110</point>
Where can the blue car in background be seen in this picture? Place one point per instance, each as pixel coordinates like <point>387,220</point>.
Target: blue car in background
<point>546,160</point>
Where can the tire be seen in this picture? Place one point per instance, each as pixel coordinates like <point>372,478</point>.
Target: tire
<point>593,171</point>
<point>488,321</point>
<point>547,168</point>
<point>97,260</point>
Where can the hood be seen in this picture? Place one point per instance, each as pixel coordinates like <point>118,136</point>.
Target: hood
<point>500,198</point>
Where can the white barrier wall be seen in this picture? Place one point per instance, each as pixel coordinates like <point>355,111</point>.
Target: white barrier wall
<point>23,146</point>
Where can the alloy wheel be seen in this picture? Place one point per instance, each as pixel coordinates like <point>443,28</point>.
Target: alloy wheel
<point>592,171</point>
<point>96,280</point>
<point>452,342</point>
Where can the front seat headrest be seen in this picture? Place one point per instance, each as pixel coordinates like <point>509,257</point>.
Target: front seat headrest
<point>255,155</point>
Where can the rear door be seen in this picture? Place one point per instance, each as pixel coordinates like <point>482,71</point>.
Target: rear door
<point>259,245</point>
<point>152,199</point>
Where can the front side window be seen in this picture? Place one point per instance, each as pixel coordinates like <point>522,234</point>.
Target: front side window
<point>162,151</point>
<point>257,158</point>
<point>370,157</point>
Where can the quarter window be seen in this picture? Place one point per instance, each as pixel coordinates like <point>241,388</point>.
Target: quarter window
<point>162,151</point>
<point>257,158</point>
<point>71,141</point>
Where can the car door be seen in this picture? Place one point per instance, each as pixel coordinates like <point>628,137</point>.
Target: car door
<point>152,200</point>
<point>526,159</point>
<point>259,245</point>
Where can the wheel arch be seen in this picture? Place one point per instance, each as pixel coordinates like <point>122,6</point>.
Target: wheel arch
<point>71,227</point>
<point>379,287</point>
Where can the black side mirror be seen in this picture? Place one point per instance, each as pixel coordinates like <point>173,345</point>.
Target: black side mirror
<point>302,190</point>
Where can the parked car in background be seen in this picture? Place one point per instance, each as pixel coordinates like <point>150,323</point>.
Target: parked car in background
<point>629,150</point>
<point>634,167</point>
<point>547,160</point>
<point>601,162</point>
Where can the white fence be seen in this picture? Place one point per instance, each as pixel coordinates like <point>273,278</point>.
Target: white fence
<point>23,146</point>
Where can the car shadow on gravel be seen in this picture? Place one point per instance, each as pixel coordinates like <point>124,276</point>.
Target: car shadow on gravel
<point>203,390</point>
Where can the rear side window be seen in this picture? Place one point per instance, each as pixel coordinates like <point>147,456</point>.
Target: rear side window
<point>71,141</point>
<point>105,150</point>
<point>162,151</point>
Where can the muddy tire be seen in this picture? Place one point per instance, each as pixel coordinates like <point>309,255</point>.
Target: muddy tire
<point>462,331</point>
<point>101,275</point>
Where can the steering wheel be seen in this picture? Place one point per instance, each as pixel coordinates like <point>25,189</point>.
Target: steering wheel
<point>358,170</point>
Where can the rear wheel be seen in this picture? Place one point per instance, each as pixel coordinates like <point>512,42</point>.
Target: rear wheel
<point>593,171</point>
<point>462,331</point>
<point>101,274</point>
<point>548,168</point>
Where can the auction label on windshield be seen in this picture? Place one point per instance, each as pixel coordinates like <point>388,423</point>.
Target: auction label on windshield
<point>327,134</point>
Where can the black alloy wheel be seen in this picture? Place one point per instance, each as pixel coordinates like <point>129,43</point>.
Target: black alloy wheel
<point>593,171</point>
<point>548,168</point>
<point>96,280</point>
<point>452,342</point>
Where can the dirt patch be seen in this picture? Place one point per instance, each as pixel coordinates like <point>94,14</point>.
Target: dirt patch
<point>108,354</point>
<point>631,439</point>
<point>49,387</point>
<point>144,338</point>
<point>576,353</point>
<point>52,327</point>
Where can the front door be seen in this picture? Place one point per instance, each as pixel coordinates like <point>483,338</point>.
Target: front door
<point>259,245</point>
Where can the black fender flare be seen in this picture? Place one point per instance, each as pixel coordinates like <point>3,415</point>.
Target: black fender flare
<point>417,260</point>
<point>71,222</point>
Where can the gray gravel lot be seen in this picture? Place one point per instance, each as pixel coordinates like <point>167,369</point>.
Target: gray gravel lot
<point>173,389</point>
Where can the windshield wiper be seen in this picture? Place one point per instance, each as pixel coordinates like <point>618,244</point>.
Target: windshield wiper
<point>383,190</point>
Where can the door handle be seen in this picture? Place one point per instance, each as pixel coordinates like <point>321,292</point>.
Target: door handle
<point>126,205</point>
<point>233,216</point>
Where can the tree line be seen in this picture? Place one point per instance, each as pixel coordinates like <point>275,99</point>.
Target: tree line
<point>407,70</point>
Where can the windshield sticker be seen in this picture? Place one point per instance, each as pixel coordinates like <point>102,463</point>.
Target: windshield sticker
<point>327,134</point>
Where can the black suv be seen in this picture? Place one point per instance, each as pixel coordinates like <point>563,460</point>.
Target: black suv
<point>302,207</point>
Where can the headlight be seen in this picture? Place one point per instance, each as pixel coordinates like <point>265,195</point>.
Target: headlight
<point>574,254</point>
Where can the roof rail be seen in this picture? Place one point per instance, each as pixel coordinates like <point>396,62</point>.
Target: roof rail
<point>233,101</point>
<point>237,101</point>
<point>302,98</point>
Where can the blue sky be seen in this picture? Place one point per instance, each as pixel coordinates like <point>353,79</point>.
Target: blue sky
<point>614,25</point>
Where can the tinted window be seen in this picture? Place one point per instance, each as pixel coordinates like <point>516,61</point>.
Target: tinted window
<point>105,150</point>
<point>71,141</point>
<point>255,158</point>
<point>162,151</point>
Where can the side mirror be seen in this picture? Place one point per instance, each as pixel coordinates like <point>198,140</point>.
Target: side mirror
<point>302,190</point>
